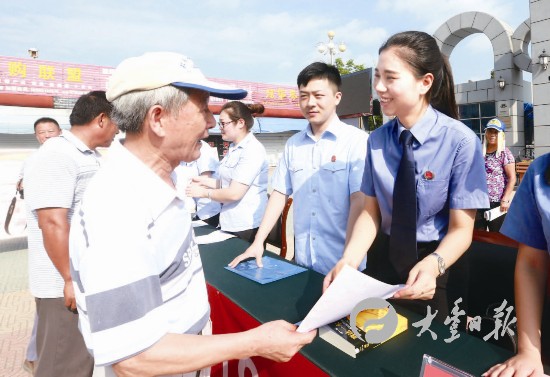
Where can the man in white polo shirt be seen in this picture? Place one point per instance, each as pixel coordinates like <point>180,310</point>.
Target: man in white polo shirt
<point>55,180</point>
<point>136,268</point>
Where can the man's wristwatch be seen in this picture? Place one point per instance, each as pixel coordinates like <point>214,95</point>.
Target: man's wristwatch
<point>440,263</point>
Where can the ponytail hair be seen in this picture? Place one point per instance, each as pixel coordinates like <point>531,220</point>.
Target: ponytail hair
<point>237,110</point>
<point>421,52</point>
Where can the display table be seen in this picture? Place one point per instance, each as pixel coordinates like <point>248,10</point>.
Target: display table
<point>239,304</point>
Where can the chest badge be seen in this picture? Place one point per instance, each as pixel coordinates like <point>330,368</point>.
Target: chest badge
<point>429,175</point>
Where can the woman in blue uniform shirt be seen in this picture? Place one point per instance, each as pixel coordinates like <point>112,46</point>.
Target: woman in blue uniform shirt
<point>243,172</point>
<point>414,82</point>
<point>528,222</point>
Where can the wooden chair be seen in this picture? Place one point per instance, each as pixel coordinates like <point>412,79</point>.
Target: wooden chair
<point>494,238</point>
<point>521,168</point>
<point>277,236</point>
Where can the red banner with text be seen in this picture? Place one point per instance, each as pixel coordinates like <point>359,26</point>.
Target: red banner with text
<point>227,317</point>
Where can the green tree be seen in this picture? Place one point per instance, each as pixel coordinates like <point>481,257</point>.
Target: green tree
<point>348,67</point>
<point>373,122</point>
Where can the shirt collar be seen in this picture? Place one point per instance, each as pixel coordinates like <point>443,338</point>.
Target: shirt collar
<point>334,129</point>
<point>422,128</point>
<point>243,142</point>
<point>74,140</point>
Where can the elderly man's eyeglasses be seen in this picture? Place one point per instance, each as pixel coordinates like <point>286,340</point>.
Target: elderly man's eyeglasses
<point>222,124</point>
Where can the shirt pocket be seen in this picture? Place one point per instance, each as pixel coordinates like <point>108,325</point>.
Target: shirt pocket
<point>432,196</point>
<point>296,167</point>
<point>334,167</point>
<point>335,173</point>
<point>232,160</point>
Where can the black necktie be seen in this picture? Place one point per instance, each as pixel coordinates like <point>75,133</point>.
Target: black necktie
<point>402,251</point>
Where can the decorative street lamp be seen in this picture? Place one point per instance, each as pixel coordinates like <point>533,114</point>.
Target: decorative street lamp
<point>544,58</point>
<point>501,83</point>
<point>33,52</point>
<point>330,48</point>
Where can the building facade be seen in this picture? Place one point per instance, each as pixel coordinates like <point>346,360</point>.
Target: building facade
<point>505,94</point>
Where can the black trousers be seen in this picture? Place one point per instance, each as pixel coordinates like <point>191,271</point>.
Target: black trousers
<point>212,221</point>
<point>247,235</point>
<point>449,287</point>
<point>492,226</point>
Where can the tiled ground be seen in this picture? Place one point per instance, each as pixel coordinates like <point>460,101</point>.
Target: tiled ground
<point>16,312</point>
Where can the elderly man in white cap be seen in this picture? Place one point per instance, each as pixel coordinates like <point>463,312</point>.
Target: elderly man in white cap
<point>136,268</point>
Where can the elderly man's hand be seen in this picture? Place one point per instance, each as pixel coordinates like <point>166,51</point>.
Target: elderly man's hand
<point>279,341</point>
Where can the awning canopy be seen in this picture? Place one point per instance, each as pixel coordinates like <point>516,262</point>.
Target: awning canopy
<point>271,125</point>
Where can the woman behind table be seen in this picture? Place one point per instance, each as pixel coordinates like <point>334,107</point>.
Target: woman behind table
<point>242,186</point>
<point>414,82</point>
<point>501,174</point>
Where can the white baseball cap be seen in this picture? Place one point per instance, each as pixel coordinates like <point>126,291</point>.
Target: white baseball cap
<point>496,124</point>
<point>154,70</point>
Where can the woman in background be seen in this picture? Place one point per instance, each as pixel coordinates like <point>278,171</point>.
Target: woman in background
<point>501,174</point>
<point>243,173</point>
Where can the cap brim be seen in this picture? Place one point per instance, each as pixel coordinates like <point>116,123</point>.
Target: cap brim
<point>228,93</point>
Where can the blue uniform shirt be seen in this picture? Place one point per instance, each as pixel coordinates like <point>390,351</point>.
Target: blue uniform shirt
<point>450,171</point>
<point>246,163</point>
<point>528,219</point>
<point>321,175</point>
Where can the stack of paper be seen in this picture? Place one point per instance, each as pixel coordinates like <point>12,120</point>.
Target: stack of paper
<point>215,236</point>
<point>492,214</point>
<point>348,289</point>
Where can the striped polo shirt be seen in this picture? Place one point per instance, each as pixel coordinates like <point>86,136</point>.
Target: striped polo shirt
<point>55,177</point>
<point>135,265</point>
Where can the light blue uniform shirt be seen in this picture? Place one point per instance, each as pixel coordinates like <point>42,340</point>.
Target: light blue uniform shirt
<point>208,161</point>
<point>185,171</point>
<point>245,163</point>
<point>446,151</point>
<point>321,175</point>
<point>528,219</point>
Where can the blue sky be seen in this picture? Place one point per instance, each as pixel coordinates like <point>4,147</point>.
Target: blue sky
<point>252,40</point>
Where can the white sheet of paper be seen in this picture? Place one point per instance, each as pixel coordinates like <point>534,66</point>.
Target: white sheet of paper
<point>492,214</point>
<point>348,289</point>
<point>216,236</point>
<point>198,223</point>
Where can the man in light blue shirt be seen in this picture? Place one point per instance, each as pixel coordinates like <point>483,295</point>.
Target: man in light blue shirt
<point>322,168</point>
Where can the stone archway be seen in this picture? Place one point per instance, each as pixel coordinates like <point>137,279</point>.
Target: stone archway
<point>508,101</point>
<point>520,42</point>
